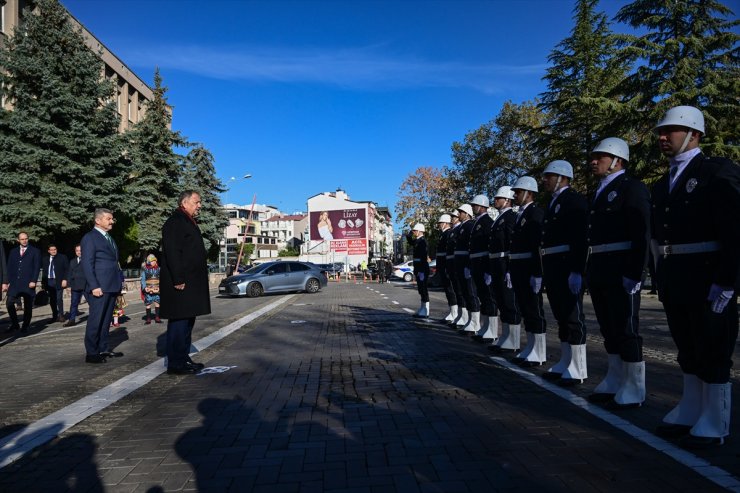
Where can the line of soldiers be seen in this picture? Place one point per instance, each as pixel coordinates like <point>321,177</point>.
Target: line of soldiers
<point>493,272</point>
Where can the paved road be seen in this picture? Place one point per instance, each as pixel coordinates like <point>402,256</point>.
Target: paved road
<point>337,391</point>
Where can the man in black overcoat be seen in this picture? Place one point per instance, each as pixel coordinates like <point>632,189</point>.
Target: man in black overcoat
<point>183,282</point>
<point>24,263</point>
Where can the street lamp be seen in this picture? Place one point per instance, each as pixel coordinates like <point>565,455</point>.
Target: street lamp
<point>232,181</point>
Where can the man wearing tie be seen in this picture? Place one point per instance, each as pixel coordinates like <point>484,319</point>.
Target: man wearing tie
<point>103,276</point>
<point>24,263</point>
<point>54,281</point>
<point>76,283</point>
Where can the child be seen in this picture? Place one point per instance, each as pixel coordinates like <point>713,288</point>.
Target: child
<point>120,304</point>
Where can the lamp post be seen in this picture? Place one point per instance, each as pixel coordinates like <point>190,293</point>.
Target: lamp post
<point>232,181</point>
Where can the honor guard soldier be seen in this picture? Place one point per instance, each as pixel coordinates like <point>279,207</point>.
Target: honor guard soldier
<point>443,224</point>
<point>526,271</point>
<point>421,269</point>
<point>563,255</point>
<point>479,268</point>
<point>617,235</point>
<point>462,268</point>
<point>498,265</point>
<point>462,312</point>
<point>696,233</point>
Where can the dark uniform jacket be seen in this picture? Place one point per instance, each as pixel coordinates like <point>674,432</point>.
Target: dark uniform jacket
<point>75,275</point>
<point>703,206</point>
<point>565,224</point>
<point>61,266</point>
<point>23,270</point>
<point>481,233</point>
<point>500,238</point>
<point>619,214</point>
<point>184,261</point>
<point>452,240</point>
<point>421,264</point>
<point>526,237</point>
<point>444,238</point>
<point>463,243</point>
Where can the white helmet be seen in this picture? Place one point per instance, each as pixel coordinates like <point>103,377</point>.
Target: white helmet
<point>419,227</point>
<point>683,116</point>
<point>614,146</point>
<point>559,167</point>
<point>504,192</point>
<point>525,183</point>
<point>445,218</point>
<point>466,209</point>
<point>454,213</point>
<point>481,200</point>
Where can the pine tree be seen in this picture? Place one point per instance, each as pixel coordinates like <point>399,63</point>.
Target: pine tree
<point>689,56</point>
<point>153,182</point>
<point>199,174</point>
<point>60,153</point>
<point>581,82</point>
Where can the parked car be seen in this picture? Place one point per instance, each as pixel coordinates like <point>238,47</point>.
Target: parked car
<point>405,270</point>
<point>273,277</point>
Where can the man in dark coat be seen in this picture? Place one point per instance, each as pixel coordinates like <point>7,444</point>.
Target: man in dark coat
<point>471,320</point>
<point>443,224</point>
<point>103,278</point>
<point>563,262</point>
<point>23,266</point>
<point>421,269</point>
<point>3,269</point>
<point>183,284</point>
<point>696,236</point>
<point>76,283</point>
<point>54,281</point>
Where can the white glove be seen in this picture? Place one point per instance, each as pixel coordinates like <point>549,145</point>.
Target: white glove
<point>487,279</point>
<point>630,286</point>
<point>466,272</point>
<point>720,297</point>
<point>535,283</point>
<point>507,278</point>
<point>420,276</point>
<point>574,283</point>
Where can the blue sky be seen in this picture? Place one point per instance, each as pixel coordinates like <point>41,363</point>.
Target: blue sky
<point>309,96</point>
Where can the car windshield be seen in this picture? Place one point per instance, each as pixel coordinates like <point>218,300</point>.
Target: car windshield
<point>255,269</point>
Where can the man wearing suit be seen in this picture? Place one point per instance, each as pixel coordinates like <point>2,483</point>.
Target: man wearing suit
<point>103,277</point>
<point>563,263</point>
<point>617,235</point>
<point>526,271</point>
<point>696,235</point>
<point>54,280</point>
<point>24,263</point>
<point>76,283</point>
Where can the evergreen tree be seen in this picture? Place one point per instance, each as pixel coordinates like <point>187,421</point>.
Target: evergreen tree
<point>199,174</point>
<point>688,55</point>
<point>153,182</point>
<point>581,84</point>
<point>60,153</point>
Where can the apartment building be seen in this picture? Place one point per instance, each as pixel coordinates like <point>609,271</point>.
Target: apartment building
<point>131,92</point>
<point>245,227</point>
<point>291,230</point>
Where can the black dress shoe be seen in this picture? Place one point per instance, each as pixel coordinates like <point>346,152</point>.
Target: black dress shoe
<point>13,328</point>
<point>551,376</point>
<point>70,323</point>
<point>615,406</point>
<point>698,443</point>
<point>24,329</point>
<point>600,398</point>
<point>94,358</point>
<point>569,382</point>
<point>111,354</point>
<point>182,370</point>
<point>669,430</point>
<point>517,360</point>
<point>193,364</point>
<point>61,319</point>
<point>530,364</point>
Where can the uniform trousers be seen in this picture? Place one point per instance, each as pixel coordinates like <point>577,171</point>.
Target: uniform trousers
<point>455,282</point>
<point>467,287</point>
<point>566,306</point>
<point>530,304</point>
<point>445,281</point>
<point>705,340</point>
<point>617,314</point>
<point>422,287</point>
<point>502,294</point>
<point>479,267</point>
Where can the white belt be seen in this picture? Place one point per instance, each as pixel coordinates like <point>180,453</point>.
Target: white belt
<point>684,248</point>
<point>478,254</point>
<point>462,252</point>
<point>610,247</point>
<point>498,255</point>
<point>519,256</point>
<point>441,255</point>
<point>417,260</point>
<point>450,257</point>
<point>555,249</point>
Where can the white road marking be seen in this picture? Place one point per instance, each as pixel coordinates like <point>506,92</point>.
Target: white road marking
<point>697,464</point>
<point>16,445</point>
<point>395,302</point>
<point>409,310</point>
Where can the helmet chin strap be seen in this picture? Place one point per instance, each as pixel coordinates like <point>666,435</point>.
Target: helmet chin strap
<point>557,183</point>
<point>689,134</point>
<point>611,166</point>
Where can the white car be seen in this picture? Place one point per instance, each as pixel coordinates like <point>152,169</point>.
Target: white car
<point>405,270</point>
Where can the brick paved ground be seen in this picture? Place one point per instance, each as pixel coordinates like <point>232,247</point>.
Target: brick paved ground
<point>340,391</point>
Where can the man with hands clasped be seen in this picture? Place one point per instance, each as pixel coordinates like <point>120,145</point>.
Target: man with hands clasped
<point>421,269</point>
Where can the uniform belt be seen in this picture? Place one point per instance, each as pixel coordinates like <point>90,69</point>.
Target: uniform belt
<point>498,254</point>
<point>478,254</point>
<point>462,253</point>
<point>555,249</point>
<point>417,260</point>
<point>610,247</point>
<point>441,255</point>
<point>450,257</point>
<point>520,256</point>
<point>685,248</point>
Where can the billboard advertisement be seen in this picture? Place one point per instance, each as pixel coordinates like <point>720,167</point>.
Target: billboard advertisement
<point>343,224</point>
<point>349,247</point>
